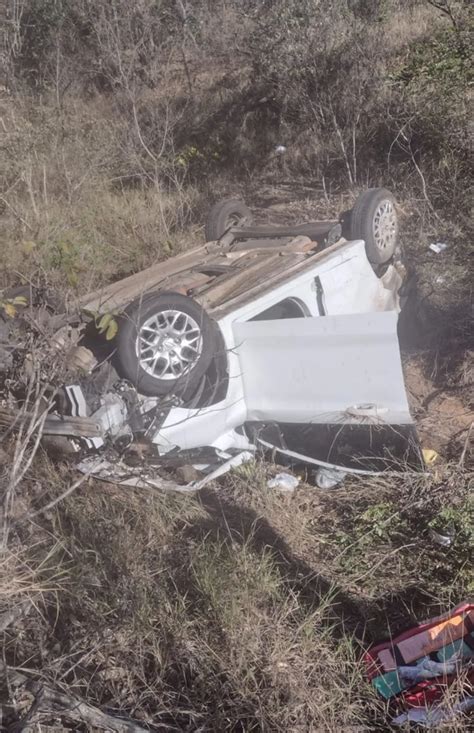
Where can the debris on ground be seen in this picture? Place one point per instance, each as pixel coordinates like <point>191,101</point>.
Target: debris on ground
<point>284,482</point>
<point>415,669</point>
<point>437,715</point>
<point>444,539</point>
<point>438,247</point>
<point>429,456</point>
<point>329,478</point>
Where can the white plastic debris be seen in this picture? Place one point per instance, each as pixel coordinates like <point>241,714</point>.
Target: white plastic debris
<point>438,247</point>
<point>280,150</point>
<point>233,462</point>
<point>444,538</point>
<point>426,669</point>
<point>328,478</point>
<point>283,482</point>
<point>437,715</point>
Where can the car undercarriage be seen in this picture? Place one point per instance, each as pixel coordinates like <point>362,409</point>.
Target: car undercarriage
<point>274,339</point>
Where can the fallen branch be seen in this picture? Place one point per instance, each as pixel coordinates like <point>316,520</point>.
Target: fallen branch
<point>466,446</point>
<point>50,702</point>
<point>13,678</point>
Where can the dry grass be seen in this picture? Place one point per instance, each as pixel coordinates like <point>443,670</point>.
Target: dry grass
<point>236,610</point>
<point>99,238</point>
<point>166,609</point>
<point>70,216</point>
<point>240,608</point>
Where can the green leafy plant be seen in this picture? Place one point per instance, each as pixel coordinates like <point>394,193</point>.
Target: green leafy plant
<point>107,325</point>
<point>440,60</point>
<point>380,519</point>
<point>64,256</point>
<point>10,305</point>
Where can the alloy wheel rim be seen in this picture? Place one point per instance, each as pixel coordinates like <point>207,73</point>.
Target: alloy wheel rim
<point>385,226</point>
<point>169,344</point>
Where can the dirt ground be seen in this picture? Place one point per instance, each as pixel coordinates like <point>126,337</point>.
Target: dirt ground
<point>443,415</point>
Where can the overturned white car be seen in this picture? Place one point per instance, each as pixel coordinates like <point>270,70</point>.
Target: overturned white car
<point>280,338</point>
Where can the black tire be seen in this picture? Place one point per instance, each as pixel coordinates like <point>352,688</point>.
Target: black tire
<point>129,365</point>
<point>374,219</point>
<point>223,215</point>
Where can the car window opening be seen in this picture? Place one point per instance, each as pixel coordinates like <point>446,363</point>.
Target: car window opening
<point>287,308</point>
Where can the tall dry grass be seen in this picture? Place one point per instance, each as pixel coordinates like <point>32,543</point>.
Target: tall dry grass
<point>237,610</point>
<point>68,214</point>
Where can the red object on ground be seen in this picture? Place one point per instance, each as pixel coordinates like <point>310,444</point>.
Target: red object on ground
<point>383,660</point>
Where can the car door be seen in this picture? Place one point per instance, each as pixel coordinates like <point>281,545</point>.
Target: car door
<point>329,390</point>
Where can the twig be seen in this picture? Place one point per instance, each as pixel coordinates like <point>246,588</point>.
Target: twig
<point>139,133</point>
<point>423,183</point>
<point>59,498</point>
<point>464,451</point>
<point>445,7</point>
<point>382,560</point>
<point>342,144</point>
<point>52,703</point>
<point>79,711</point>
<point>28,179</point>
<point>21,460</point>
<point>9,206</point>
<point>12,676</point>
<point>7,618</point>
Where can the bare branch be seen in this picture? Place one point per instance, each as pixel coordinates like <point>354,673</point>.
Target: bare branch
<point>444,6</point>
<point>53,703</point>
<point>50,701</point>
<point>59,498</point>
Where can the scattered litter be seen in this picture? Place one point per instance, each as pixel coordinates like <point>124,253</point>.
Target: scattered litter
<point>434,716</point>
<point>233,462</point>
<point>440,280</point>
<point>187,474</point>
<point>442,529</point>
<point>426,669</point>
<point>283,482</point>
<point>280,149</point>
<point>328,478</point>
<point>145,476</point>
<point>414,669</point>
<point>445,538</point>
<point>429,456</point>
<point>438,247</point>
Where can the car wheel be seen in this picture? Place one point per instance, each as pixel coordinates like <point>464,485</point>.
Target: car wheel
<point>225,214</point>
<point>374,219</point>
<point>165,343</point>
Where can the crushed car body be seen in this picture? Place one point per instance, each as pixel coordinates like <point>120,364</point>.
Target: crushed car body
<point>275,338</point>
